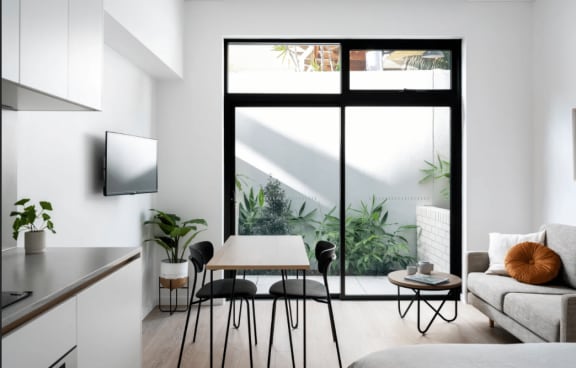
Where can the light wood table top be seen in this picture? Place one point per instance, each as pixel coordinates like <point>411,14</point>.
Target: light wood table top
<point>397,278</point>
<point>261,252</point>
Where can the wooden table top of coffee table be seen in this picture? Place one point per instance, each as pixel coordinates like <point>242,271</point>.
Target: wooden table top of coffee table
<point>397,278</point>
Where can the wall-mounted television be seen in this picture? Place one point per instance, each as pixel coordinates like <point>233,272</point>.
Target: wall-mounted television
<point>130,164</point>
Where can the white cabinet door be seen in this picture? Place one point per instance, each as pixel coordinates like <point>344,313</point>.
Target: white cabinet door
<point>110,322</point>
<point>85,52</point>
<point>42,341</point>
<point>11,40</point>
<point>44,46</point>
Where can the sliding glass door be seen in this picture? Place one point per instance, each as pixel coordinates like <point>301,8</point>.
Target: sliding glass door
<point>287,173</point>
<point>352,141</point>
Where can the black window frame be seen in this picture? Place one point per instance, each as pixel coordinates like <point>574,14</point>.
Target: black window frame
<point>451,98</point>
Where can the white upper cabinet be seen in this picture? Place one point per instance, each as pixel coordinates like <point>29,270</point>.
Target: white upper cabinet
<point>52,48</point>
<point>44,46</point>
<point>85,52</point>
<point>10,39</point>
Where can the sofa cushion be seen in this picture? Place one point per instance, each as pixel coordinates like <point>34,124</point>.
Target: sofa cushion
<point>500,244</point>
<point>493,288</point>
<point>532,263</point>
<point>539,313</point>
<point>562,240</point>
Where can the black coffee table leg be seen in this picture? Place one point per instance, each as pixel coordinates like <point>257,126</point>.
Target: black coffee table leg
<point>403,314</point>
<point>436,310</point>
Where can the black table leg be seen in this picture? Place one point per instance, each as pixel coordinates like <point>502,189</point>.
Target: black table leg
<point>437,311</point>
<point>304,312</point>
<point>403,314</point>
<point>211,314</point>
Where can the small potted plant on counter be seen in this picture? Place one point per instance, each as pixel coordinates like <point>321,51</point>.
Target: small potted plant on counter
<point>34,222</point>
<point>175,237</point>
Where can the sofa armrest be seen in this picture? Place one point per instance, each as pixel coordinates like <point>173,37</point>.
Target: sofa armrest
<point>568,318</point>
<point>478,261</point>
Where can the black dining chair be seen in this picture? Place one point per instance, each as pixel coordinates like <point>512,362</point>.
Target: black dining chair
<point>230,288</point>
<point>294,289</point>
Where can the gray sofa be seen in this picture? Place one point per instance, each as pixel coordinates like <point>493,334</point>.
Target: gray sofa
<point>471,355</point>
<point>532,313</point>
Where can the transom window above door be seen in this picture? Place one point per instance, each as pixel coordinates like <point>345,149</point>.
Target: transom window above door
<point>283,68</point>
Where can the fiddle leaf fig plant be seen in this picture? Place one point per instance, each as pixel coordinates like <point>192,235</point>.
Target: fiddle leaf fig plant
<point>30,218</point>
<point>173,232</point>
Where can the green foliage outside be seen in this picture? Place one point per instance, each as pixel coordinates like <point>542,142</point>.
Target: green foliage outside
<point>374,246</point>
<point>268,212</point>
<point>438,170</point>
<point>442,60</point>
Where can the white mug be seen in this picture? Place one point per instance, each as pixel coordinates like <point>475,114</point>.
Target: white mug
<point>425,267</point>
<point>411,270</point>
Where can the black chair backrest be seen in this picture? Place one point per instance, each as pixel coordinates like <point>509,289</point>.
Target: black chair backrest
<point>200,254</point>
<point>325,254</point>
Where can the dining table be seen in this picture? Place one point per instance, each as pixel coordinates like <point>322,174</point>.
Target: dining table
<point>260,252</point>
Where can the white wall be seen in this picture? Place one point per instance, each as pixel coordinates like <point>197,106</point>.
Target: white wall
<point>155,24</point>
<point>497,44</point>
<point>554,99</point>
<point>59,158</point>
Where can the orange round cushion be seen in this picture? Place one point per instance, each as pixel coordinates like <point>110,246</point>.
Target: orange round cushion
<point>532,263</point>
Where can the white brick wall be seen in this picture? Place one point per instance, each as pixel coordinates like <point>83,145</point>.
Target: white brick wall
<point>433,242</point>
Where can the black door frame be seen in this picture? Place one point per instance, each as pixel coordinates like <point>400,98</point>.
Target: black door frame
<point>451,98</point>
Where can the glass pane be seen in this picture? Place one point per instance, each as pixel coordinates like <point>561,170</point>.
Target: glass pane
<point>287,177</point>
<point>394,182</point>
<point>400,69</point>
<point>283,68</point>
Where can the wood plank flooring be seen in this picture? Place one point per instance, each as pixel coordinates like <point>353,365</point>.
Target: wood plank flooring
<point>362,326</point>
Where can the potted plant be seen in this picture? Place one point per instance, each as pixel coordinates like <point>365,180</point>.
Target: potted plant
<point>175,237</point>
<point>34,222</point>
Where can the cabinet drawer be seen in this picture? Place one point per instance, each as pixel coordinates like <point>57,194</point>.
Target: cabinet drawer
<point>42,341</point>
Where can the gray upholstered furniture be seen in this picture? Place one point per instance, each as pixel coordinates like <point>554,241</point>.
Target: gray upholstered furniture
<point>472,355</point>
<point>532,313</point>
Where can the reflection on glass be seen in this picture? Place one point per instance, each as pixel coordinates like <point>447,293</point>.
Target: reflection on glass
<point>400,69</point>
<point>283,68</point>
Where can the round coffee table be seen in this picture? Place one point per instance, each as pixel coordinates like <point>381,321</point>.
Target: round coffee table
<point>452,285</point>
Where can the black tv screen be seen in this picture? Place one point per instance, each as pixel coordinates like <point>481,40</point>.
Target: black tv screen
<point>130,164</point>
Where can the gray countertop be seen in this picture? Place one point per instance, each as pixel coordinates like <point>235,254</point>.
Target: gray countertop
<point>54,276</point>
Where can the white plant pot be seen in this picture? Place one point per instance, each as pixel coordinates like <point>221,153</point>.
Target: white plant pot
<point>173,275</point>
<point>34,242</point>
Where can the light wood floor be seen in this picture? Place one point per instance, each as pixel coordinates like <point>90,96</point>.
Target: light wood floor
<point>362,326</point>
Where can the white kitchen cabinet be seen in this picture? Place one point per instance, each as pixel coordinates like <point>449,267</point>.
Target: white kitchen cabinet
<point>52,48</point>
<point>110,322</point>
<point>85,52</point>
<point>10,40</point>
<point>44,46</point>
<point>42,341</point>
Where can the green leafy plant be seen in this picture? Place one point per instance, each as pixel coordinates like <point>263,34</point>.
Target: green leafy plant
<point>440,60</point>
<point>173,232</point>
<point>250,211</point>
<point>276,212</point>
<point>268,212</point>
<point>438,171</point>
<point>30,218</point>
<point>373,245</point>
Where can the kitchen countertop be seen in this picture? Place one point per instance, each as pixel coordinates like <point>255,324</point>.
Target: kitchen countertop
<point>54,276</point>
